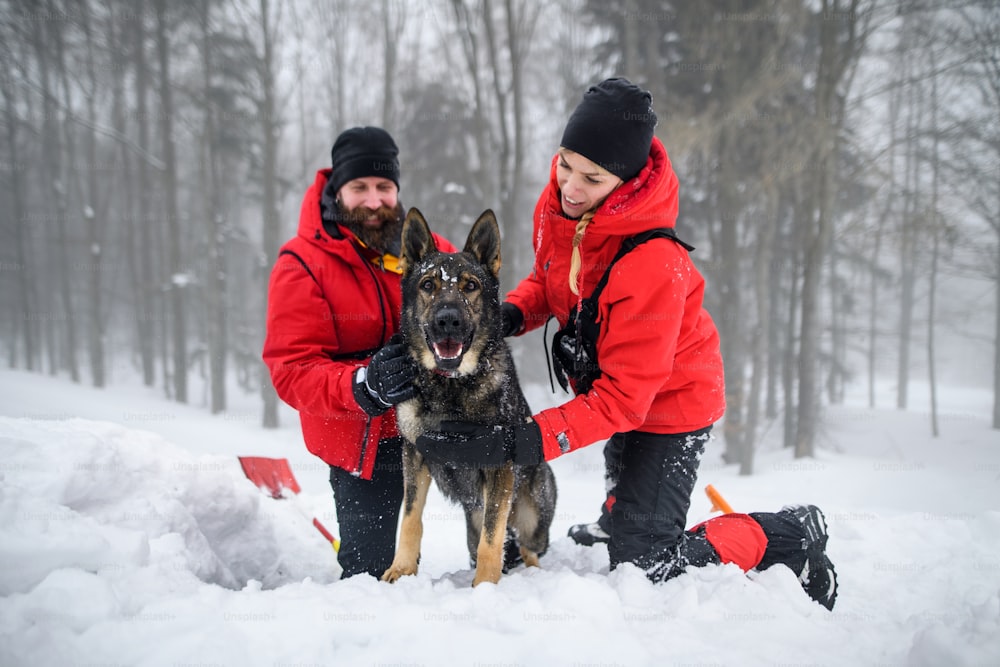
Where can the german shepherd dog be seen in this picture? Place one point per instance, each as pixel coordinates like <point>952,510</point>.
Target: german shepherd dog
<point>451,323</point>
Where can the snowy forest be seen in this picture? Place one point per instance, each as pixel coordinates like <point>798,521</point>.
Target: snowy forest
<point>839,166</point>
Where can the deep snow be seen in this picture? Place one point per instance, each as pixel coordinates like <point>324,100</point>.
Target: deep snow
<point>129,536</point>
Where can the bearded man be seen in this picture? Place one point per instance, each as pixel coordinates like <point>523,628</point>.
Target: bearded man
<point>334,302</point>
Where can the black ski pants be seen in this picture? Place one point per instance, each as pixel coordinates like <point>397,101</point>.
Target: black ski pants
<point>650,479</point>
<point>656,476</point>
<point>368,512</point>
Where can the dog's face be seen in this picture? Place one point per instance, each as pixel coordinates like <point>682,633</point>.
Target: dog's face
<point>451,303</point>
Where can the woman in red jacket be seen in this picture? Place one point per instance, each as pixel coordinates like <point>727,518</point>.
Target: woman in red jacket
<point>333,304</point>
<point>659,388</point>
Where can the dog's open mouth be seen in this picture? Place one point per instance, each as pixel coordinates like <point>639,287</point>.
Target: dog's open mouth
<point>448,353</point>
<point>448,349</point>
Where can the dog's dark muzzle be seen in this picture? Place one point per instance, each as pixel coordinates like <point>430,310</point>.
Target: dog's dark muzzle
<point>448,336</point>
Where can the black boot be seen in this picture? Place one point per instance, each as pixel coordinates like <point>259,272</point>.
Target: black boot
<point>796,537</point>
<point>588,534</point>
<point>818,577</point>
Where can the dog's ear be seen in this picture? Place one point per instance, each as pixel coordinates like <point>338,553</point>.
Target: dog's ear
<point>417,239</point>
<point>484,242</point>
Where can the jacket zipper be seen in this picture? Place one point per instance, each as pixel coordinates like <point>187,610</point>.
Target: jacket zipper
<point>364,448</point>
<point>378,290</point>
<point>381,304</point>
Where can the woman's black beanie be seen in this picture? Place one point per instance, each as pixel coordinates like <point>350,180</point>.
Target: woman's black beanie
<point>613,127</point>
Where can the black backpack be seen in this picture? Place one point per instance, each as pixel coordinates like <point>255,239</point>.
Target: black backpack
<point>574,346</point>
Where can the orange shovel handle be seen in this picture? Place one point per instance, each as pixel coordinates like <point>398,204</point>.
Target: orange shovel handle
<point>718,502</point>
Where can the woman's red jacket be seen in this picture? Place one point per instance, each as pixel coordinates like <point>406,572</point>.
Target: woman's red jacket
<point>658,348</point>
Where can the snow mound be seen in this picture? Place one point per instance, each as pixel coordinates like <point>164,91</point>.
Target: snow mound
<point>121,546</point>
<point>125,504</point>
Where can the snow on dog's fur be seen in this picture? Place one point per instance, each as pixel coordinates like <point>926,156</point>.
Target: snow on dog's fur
<point>452,325</point>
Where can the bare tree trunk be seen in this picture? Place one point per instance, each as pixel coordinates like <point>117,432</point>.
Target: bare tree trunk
<point>730,303</point>
<point>996,322</point>
<point>393,22</point>
<point>788,375</point>
<point>25,323</point>
<point>630,39</point>
<point>468,37</point>
<point>336,18</point>
<point>979,46</point>
<point>44,308</point>
<point>762,332</point>
<point>123,197</point>
<point>935,251</point>
<point>148,303</point>
<point>996,331</point>
<point>874,309</point>
<point>505,150</point>
<point>931,314</point>
<point>815,251</point>
<point>521,22</point>
<point>907,279</point>
<point>272,224</point>
<point>837,51</point>
<point>95,247</point>
<point>774,342</point>
<point>177,279</point>
<point>62,154</point>
<point>214,287</point>
<point>300,73</point>
<point>908,251</point>
<point>838,334</point>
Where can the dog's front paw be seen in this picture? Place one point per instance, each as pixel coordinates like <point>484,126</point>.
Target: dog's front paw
<point>492,577</point>
<point>489,567</point>
<point>397,570</point>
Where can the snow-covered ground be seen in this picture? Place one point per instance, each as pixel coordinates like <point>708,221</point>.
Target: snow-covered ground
<point>129,536</point>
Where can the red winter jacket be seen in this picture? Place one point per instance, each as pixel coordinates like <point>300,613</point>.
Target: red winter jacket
<point>658,348</point>
<point>329,309</point>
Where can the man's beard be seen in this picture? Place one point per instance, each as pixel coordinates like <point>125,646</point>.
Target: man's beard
<point>383,238</point>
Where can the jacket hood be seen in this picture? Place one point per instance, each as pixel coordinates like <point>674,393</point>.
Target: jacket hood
<point>647,201</point>
<point>311,215</point>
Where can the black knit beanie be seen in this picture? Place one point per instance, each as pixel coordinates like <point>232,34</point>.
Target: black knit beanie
<point>360,152</point>
<point>613,127</point>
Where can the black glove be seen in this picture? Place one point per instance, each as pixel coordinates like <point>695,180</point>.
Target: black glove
<point>475,445</point>
<point>513,319</point>
<point>387,380</point>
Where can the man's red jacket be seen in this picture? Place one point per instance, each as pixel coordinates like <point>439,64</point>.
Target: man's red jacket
<point>330,307</point>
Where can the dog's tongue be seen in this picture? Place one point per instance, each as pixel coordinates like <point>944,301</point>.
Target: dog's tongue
<point>449,348</point>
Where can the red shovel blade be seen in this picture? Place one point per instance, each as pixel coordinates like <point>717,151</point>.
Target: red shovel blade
<point>272,474</point>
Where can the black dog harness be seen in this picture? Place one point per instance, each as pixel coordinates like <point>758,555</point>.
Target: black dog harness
<point>574,346</point>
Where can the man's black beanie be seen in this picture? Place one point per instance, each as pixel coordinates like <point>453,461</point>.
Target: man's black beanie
<point>360,152</point>
<point>613,127</point>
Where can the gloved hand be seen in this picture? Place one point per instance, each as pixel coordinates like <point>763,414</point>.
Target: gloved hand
<point>387,380</point>
<point>474,445</point>
<point>513,319</point>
